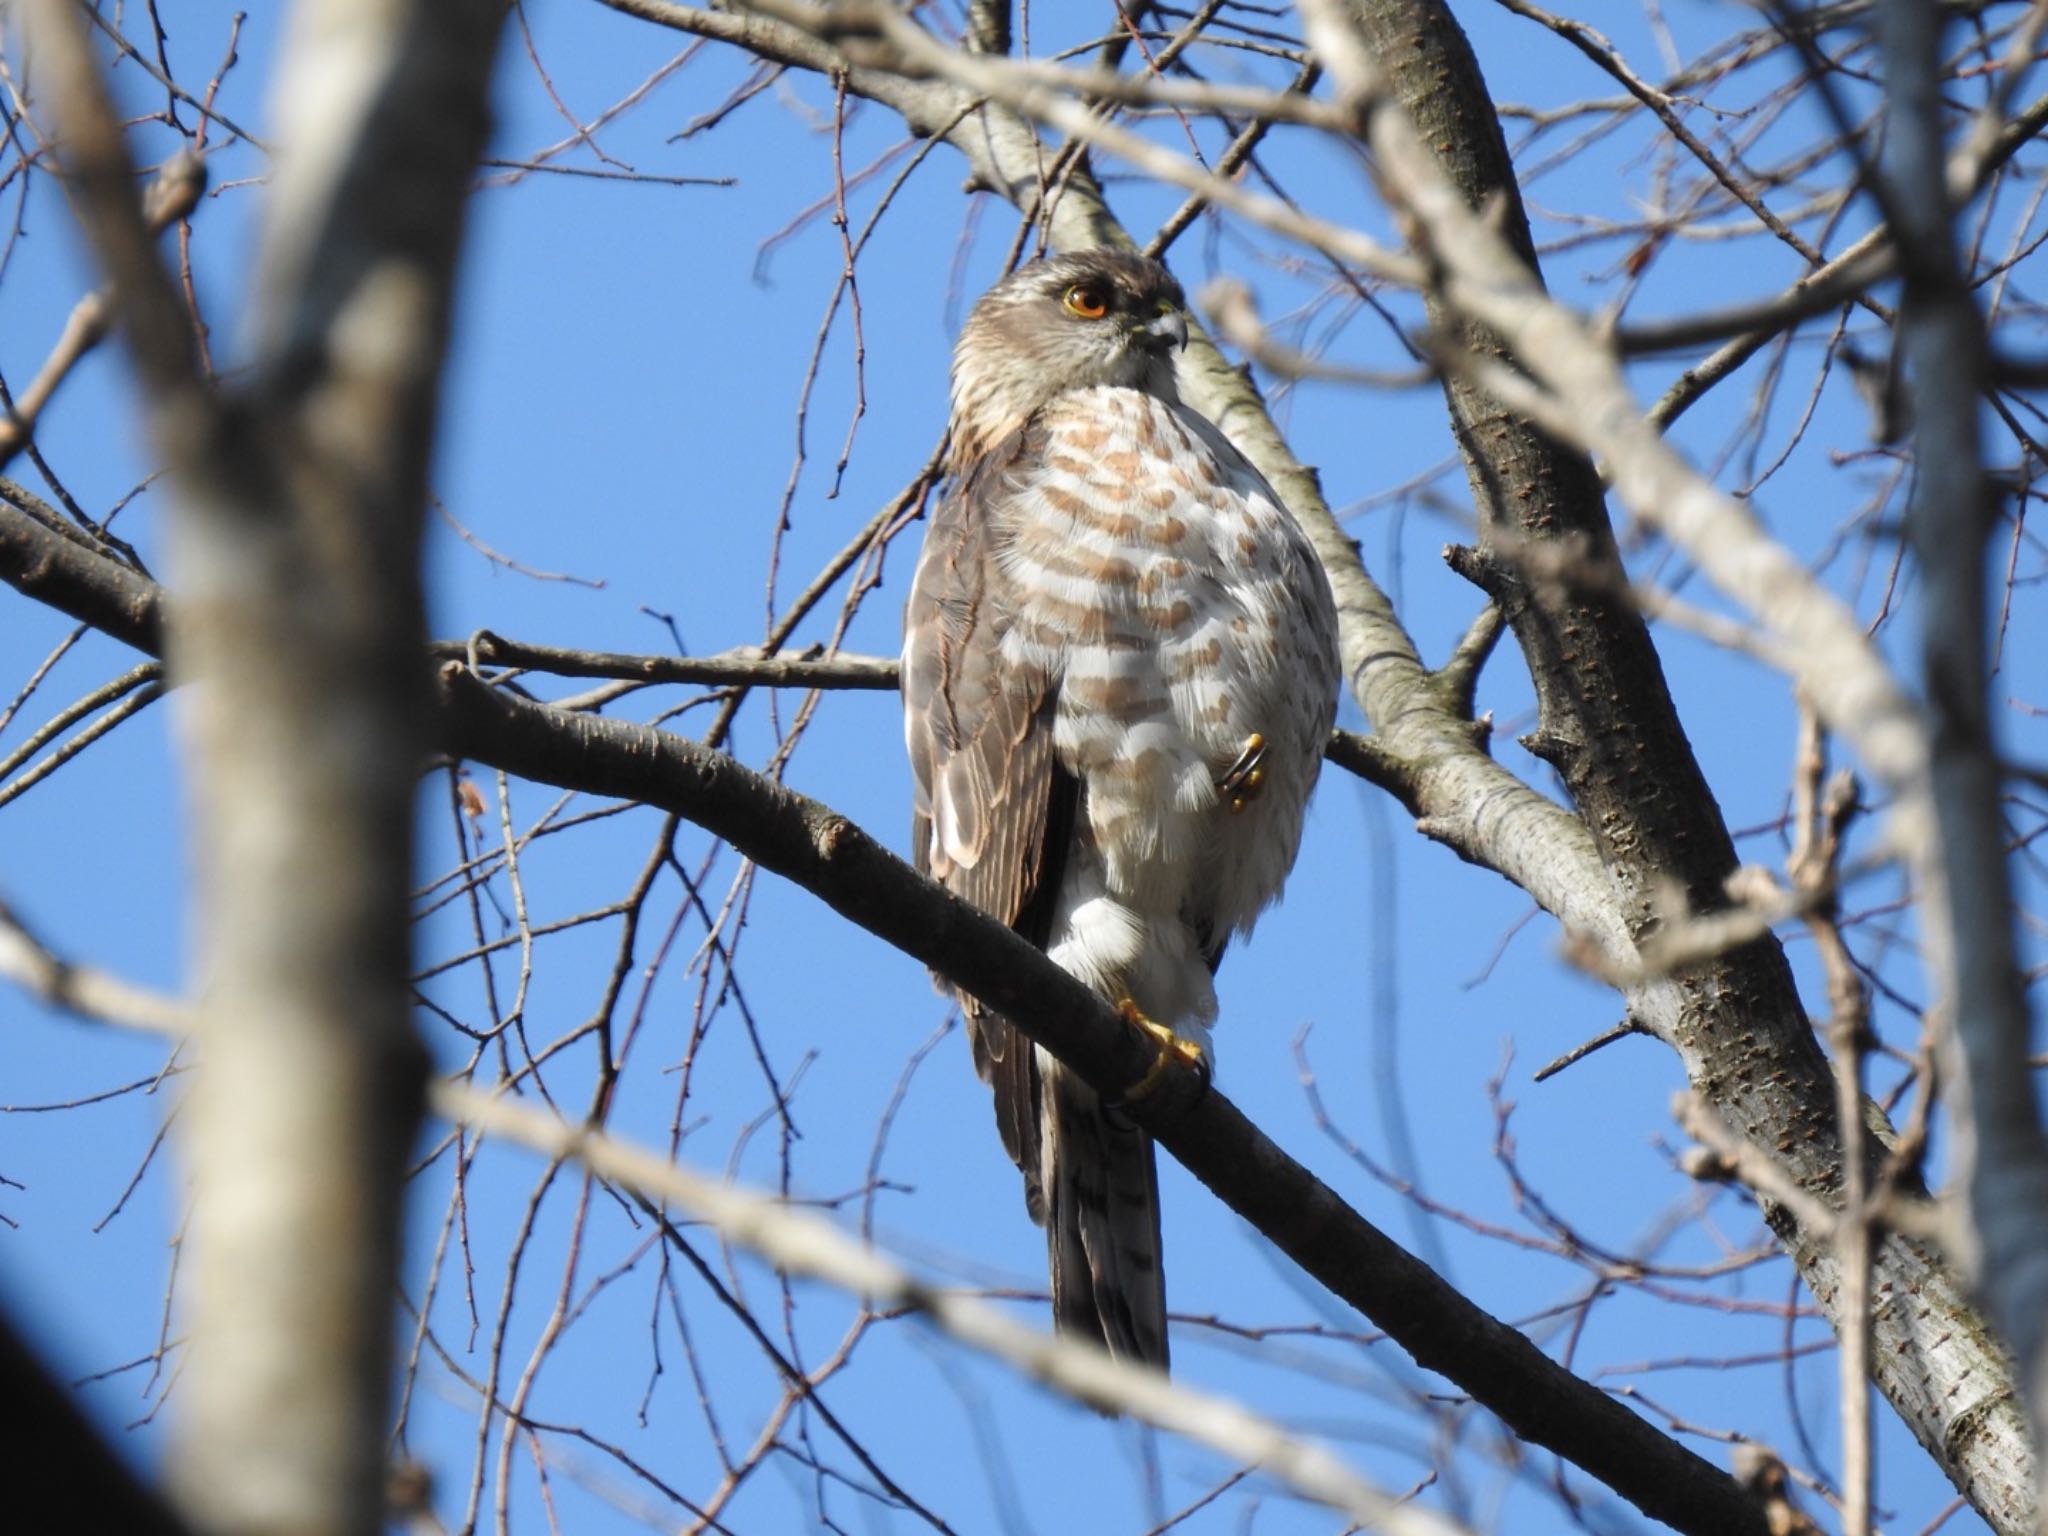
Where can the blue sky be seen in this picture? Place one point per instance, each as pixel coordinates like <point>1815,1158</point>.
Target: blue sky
<point>621,410</point>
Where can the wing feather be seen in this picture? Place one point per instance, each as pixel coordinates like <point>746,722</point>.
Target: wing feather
<point>993,809</point>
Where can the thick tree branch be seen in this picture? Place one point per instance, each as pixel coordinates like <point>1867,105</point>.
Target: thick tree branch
<point>794,1241</point>
<point>81,990</point>
<point>1460,795</point>
<point>1424,749</point>
<point>748,666</point>
<point>297,631</point>
<point>837,862</point>
<point>827,855</point>
<point>74,579</point>
<point>1607,719</point>
<point>799,1243</point>
<point>1966,884</point>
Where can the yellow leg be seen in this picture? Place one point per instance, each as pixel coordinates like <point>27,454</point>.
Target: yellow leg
<point>1172,1048</point>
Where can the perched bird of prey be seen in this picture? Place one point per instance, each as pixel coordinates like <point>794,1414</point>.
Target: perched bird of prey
<point>1119,671</point>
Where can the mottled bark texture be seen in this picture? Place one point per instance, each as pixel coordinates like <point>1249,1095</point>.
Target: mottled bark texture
<point>1645,813</point>
<point>827,855</point>
<point>296,632</point>
<point>806,842</point>
<point>1609,726</point>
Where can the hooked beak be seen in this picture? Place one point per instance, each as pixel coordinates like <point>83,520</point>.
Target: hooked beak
<point>1169,326</point>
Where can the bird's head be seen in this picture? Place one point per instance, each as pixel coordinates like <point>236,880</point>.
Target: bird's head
<point>1068,322</point>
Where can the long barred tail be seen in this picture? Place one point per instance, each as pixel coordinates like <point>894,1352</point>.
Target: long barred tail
<point>1101,1221</point>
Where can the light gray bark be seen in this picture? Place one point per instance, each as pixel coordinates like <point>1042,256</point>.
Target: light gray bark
<point>2001,1154</point>
<point>296,633</point>
<point>1934,1358</point>
<point>1935,1361</point>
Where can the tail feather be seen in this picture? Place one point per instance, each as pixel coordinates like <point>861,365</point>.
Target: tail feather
<point>1101,1189</point>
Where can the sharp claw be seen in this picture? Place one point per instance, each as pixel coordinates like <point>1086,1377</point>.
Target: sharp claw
<point>1172,1048</point>
<point>1243,780</point>
<point>1248,791</point>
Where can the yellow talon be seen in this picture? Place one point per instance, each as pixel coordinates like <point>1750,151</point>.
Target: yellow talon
<point>1248,790</point>
<point>1171,1048</point>
<point>1243,780</point>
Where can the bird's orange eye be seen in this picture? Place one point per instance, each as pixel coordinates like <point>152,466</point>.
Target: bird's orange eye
<point>1087,301</point>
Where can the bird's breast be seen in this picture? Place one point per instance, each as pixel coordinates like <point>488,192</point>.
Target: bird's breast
<point>1162,585</point>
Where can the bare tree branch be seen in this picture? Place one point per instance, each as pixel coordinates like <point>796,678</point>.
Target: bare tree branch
<point>801,1244</point>
<point>795,837</point>
<point>1486,280</point>
<point>171,197</point>
<point>2001,1151</point>
<point>297,635</point>
<point>805,842</point>
<point>748,666</point>
<point>1636,863</point>
<point>90,994</point>
<point>63,1477</point>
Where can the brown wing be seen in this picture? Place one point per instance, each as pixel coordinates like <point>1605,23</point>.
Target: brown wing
<point>993,809</point>
<point>995,819</point>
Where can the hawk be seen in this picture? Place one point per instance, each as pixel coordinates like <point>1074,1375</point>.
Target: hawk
<point>1119,671</point>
